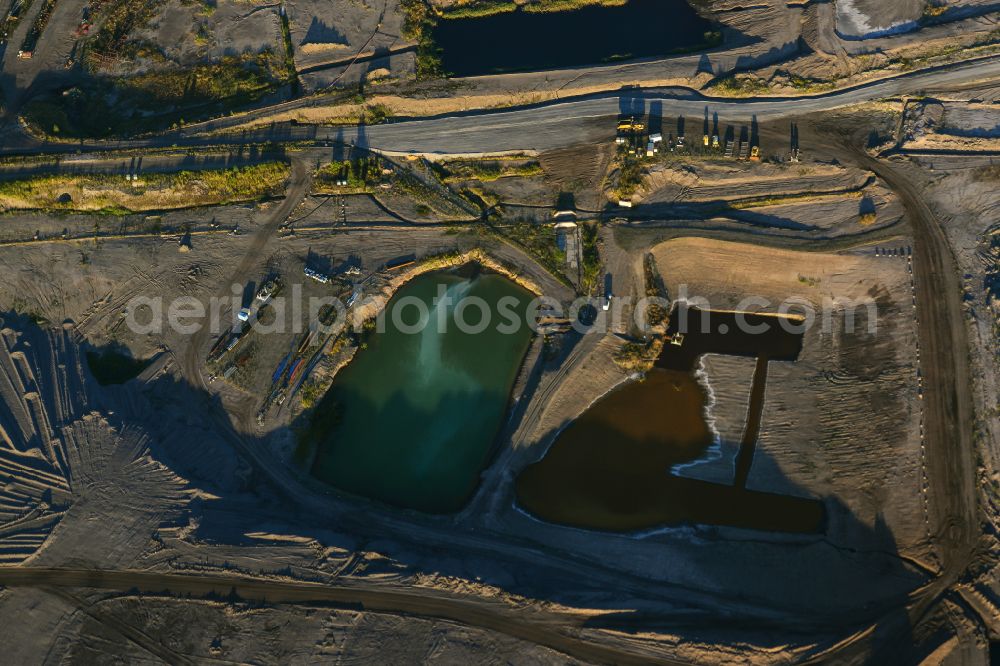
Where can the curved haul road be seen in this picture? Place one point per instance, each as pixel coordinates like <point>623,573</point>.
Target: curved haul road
<point>548,629</point>
<point>948,398</point>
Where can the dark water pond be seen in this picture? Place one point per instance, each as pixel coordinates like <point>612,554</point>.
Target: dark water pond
<point>522,40</point>
<point>610,469</point>
<point>111,367</point>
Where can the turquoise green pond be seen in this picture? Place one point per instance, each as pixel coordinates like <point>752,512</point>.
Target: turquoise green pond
<point>417,412</point>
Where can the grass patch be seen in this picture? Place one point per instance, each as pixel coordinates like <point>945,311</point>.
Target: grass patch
<point>538,240</point>
<point>104,107</point>
<point>21,307</point>
<point>375,176</point>
<point>656,313</point>
<point>233,76</point>
<point>591,274</point>
<point>418,25</point>
<point>809,85</point>
<point>114,193</point>
<point>987,174</point>
<point>487,170</point>
<point>111,367</point>
<point>38,26</point>
<point>629,178</point>
<point>117,19</point>
<point>739,86</point>
<point>491,8</point>
<point>360,175</point>
<point>638,356</point>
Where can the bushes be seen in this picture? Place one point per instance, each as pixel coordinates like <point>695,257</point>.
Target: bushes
<point>103,106</point>
<point>739,86</point>
<point>233,76</point>
<point>539,240</point>
<point>656,314</point>
<point>638,356</point>
<point>116,194</point>
<point>487,170</point>
<point>374,114</point>
<point>418,25</point>
<point>866,219</point>
<point>591,274</point>
<point>629,178</point>
<point>359,173</point>
<point>493,7</point>
<point>118,19</point>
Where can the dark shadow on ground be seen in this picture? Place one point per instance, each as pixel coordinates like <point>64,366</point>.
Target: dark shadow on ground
<point>191,433</point>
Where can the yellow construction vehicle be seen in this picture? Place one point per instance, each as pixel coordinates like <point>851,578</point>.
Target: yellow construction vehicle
<point>631,125</point>
<point>755,154</point>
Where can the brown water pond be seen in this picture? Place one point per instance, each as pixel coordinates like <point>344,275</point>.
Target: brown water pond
<point>610,468</point>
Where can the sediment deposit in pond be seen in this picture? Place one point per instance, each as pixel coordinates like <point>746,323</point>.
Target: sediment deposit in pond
<point>417,412</point>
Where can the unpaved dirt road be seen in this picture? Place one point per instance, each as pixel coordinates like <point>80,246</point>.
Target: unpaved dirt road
<point>948,395</point>
<point>551,629</point>
<point>299,181</point>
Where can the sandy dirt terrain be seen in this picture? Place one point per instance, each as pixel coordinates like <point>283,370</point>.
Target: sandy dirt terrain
<point>188,33</point>
<point>202,540</point>
<point>172,518</point>
<point>952,126</point>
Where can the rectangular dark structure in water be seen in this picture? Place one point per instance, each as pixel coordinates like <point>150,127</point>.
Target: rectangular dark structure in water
<point>733,333</point>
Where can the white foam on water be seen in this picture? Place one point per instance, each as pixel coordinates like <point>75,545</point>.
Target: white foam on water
<point>853,23</point>
<point>714,450</point>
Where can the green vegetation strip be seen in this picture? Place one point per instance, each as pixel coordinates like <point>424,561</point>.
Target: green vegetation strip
<point>18,9</point>
<point>480,9</point>
<point>591,270</point>
<point>154,191</point>
<point>486,170</point>
<point>418,25</point>
<point>41,20</point>
<point>538,240</point>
